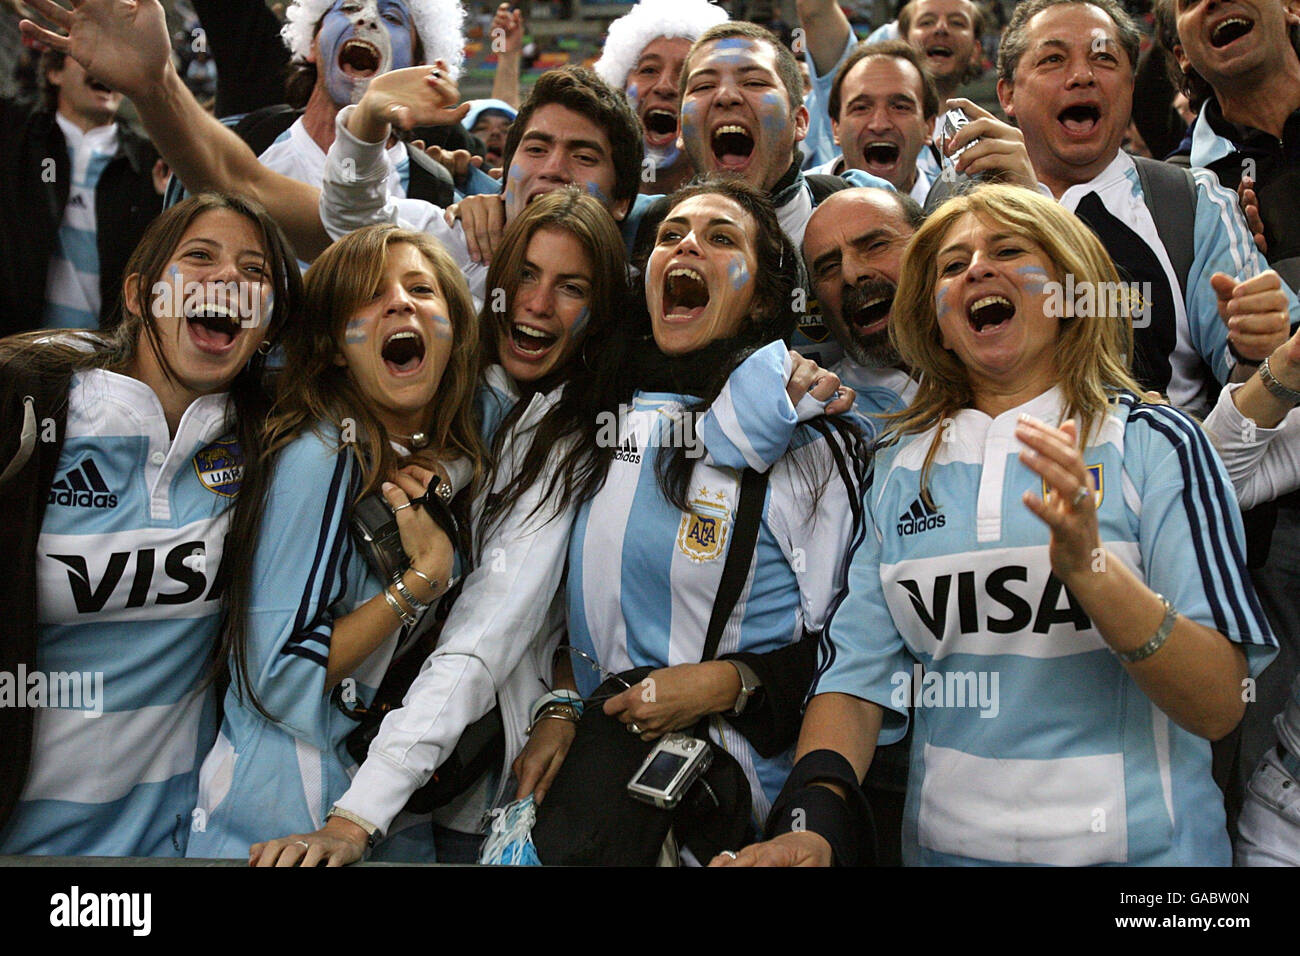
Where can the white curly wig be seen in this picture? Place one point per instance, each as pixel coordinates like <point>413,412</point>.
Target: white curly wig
<point>439,23</point>
<point>649,19</point>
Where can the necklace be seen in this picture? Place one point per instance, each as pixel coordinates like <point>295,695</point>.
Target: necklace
<point>414,442</point>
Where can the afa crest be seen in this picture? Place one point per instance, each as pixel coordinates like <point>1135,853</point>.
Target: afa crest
<point>1097,474</point>
<point>704,530</point>
<point>220,466</point>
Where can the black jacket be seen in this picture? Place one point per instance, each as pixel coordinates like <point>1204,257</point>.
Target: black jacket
<point>22,509</point>
<point>35,192</point>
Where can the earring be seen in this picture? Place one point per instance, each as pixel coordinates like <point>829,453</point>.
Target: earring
<point>583,352</point>
<point>264,348</point>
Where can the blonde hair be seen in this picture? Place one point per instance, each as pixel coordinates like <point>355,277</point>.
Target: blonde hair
<point>1092,350</point>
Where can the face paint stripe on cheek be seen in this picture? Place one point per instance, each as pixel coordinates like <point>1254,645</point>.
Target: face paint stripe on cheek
<point>738,272</point>
<point>1035,278</point>
<point>355,333</point>
<point>580,323</point>
<point>442,327</point>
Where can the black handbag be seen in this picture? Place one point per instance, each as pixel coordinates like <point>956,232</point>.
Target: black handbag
<point>482,744</point>
<point>588,817</point>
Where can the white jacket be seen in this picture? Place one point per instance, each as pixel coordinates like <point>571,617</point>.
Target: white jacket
<point>496,646</point>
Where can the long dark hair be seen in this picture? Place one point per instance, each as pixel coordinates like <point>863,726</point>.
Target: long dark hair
<point>619,356</point>
<point>248,392</point>
<point>585,375</point>
<point>315,391</point>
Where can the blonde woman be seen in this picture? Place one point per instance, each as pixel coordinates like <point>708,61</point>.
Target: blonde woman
<point>1068,617</point>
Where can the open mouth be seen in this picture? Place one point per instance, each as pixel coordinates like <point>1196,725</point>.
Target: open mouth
<point>403,352</point>
<point>660,127</point>
<point>1233,28</point>
<point>359,59</point>
<point>213,326</point>
<point>732,146</point>
<point>870,315</point>
<point>686,295</point>
<point>530,341</point>
<point>881,154</point>
<point>939,50</point>
<point>988,313</point>
<point>1080,120</point>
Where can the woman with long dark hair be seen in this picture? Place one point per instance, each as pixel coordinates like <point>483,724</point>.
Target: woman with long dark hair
<point>375,398</point>
<point>130,454</point>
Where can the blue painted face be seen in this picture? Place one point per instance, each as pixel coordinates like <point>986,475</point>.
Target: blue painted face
<point>360,39</point>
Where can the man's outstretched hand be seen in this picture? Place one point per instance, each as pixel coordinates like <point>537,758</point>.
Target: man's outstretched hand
<point>121,43</point>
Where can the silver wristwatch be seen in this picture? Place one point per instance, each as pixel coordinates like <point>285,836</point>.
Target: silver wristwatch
<point>749,686</point>
<point>1275,387</point>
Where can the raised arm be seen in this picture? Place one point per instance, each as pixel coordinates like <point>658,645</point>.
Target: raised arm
<point>826,31</point>
<point>124,43</point>
<point>508,44</point>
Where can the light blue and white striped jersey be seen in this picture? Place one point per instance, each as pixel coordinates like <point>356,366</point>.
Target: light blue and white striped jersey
<point>1032,743</point>
<point>1222,243</point>
<point>126,570</point>
<point>643,576</point>
<point>72,299</point>
<point>264,780</point>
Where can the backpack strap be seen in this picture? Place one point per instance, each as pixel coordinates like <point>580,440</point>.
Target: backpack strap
<point>1170,194</point>
<point>744,538</point>
<point>822,185</point>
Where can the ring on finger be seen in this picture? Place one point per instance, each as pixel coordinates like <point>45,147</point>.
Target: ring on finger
<point>1079,496</point>
<point>635,728</point>
<point>302,843</point>
<point>398,508</point>
<point>730,853</point>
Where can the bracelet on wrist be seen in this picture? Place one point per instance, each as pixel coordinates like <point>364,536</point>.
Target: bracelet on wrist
<point>1241,359</point>
<point>417,607</point>
<point>434,588</point>
<point>372,831</point>
<point>554,711</point>
<point>407,618</point>
<point>1157,640</point>
<point>562,696</point>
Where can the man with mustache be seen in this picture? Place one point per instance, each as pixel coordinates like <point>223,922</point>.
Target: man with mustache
<point>853,251</point>
<point>79,191</point>
<point>643,55</point>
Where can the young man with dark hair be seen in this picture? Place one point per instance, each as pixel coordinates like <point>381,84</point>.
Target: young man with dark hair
<point>79,191</point>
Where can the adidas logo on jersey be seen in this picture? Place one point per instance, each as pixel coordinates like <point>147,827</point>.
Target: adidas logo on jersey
<point>628,450</point>
<point>82,486</point>
<point>918,518</point>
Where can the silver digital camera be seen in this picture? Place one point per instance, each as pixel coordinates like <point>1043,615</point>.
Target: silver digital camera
<point>669,770</point>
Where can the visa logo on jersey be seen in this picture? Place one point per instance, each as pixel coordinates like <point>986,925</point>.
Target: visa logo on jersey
<point>82,486</point>
<point>985,601</point>
<point>184,564</point>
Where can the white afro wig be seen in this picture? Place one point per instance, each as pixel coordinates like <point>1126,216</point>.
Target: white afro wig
<point>649,19</point>
<point>439,23</point>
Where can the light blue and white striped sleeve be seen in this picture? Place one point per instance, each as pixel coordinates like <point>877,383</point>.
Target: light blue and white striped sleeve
<point>1190,534</point>
<point>751,422</point>
<point>306,574</point>
<point>1223,243</point>
<point>861,651</point>
<point>819,144</point>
